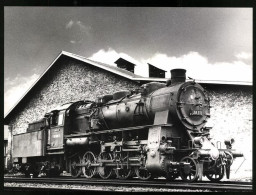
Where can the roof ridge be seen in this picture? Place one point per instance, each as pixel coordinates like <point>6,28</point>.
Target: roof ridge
<point>104,64</point>
<point>135,75</point>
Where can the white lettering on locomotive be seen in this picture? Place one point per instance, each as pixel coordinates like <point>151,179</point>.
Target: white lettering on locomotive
<point>196,113</point>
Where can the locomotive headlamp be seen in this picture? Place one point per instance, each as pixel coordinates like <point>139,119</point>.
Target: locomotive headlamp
<point>214,153</point>
<point>209,150</point>
<point>229,143</point>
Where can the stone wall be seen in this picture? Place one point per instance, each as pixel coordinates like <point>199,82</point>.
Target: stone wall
<point>231,112</point>
<point>231,117</point>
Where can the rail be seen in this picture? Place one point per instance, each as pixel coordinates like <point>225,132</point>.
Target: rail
<point>225,186</point>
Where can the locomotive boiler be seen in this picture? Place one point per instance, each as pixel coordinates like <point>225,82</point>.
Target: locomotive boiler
<point>155,130</point>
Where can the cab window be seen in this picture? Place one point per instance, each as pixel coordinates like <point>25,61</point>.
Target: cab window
<point>57,119</point>
<point>54,119</point>
<point>60,120</point>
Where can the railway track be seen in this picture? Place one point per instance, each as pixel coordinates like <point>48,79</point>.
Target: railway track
<point>225,186</point>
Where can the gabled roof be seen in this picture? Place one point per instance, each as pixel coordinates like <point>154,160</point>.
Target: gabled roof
<point>119,71</point>
<point>221,82</point>
<point>112,69</point>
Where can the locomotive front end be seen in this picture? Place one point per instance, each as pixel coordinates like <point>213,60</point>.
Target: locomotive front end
<point>189,110</point>
<point>193,110</point>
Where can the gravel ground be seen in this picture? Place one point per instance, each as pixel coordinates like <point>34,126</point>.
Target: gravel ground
<point>108,188</point>
<point>98,188</point>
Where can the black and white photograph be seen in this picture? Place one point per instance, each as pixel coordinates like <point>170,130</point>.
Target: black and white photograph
<point>128,99</point>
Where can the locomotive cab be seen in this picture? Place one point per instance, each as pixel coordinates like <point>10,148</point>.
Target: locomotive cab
<point>56,130</point>
<point>57,127</point>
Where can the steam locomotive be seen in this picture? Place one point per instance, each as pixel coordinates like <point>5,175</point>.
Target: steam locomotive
<point>155,130</point>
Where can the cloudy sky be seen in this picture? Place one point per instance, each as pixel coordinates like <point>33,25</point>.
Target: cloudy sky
<point>211,43</point>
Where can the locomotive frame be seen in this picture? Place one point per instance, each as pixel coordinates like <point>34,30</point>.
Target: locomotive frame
<point>156,130</point>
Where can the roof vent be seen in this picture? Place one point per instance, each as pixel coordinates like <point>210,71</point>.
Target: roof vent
<point>124,64</point>
<point>155,72</point>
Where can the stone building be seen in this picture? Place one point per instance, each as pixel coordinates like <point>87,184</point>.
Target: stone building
<point>71,78</point>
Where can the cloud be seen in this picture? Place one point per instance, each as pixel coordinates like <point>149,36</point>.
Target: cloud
<point>243,56</point>
<point>16,88</point>
<point>110,56</point>
<point>69,24</point>
<point>197,66</point>
<point>84,28</point>
<point>77,31</point>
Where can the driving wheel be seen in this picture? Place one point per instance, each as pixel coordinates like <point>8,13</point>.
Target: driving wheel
<point>189,171</point>
<point>104,171</point>
<point>122,171</point>
<point>88,159</point>
<point>75,170</point>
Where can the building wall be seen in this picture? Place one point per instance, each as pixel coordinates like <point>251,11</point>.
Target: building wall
<point>231,117</point>
<point>231,112</point>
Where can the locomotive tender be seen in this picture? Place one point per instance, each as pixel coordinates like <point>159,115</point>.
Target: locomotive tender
<point>156,130</point>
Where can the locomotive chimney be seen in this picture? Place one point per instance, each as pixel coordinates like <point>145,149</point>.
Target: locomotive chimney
<point>177,76</point>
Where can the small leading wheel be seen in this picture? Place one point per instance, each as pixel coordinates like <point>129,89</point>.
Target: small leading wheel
<point>104,171</point>
<point>189,171</point>
<point>75,170</point>
<point>88,159</point>
<point>217,175</point>
<point>122,172</point>
<point>142,173</point>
